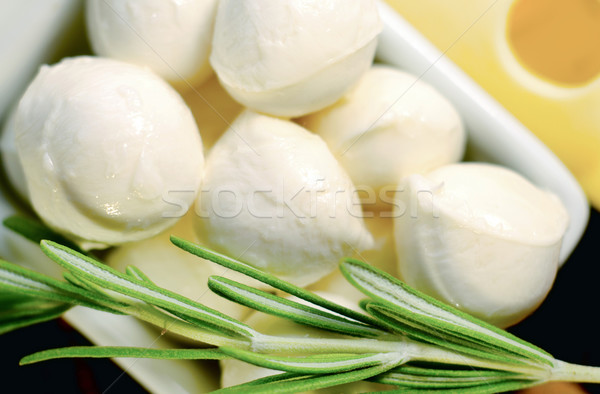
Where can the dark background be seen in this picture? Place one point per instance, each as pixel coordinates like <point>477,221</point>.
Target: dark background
<point>565,325</point>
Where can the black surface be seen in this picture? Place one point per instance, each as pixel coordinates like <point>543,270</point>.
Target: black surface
<point>565,325</point>
<point>89,376</point>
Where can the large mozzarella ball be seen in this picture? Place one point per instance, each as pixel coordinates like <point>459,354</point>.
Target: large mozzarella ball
<point>110,151</point>
<point>274,196</point>
<point>391,124</point>
<point>171,37</point>
<point>289,58</point>
<point>480,237</point>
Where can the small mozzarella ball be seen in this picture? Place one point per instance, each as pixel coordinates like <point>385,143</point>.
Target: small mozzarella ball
<point>10,158</point>
<point>289,58</point>
<point>213,108</point>
<point>275,197</point>
<point>177,270</point>
<point>391,124</point>
<point>173,38</point>
<point>479,237</point>
<point>110,151</point>
<point>234,372</point>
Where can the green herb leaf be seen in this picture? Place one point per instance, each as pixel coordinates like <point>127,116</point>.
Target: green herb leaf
<point>429,330</point>
<point>39,315</point>
<point>122,351</point>
<point>278,306</point>
<point>443,371</point>
<point>36,232</point>
<point>432,378</point>
<point>278,377</point>
<point>23,307</point>
<point>137,273</point>
<point>19,280</point>
<point>407,387</point>
<point>314,364</point>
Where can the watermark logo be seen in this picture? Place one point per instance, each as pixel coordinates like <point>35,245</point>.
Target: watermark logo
<point>303,202</point>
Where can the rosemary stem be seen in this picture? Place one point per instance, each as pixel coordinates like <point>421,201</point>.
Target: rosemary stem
<point>275,344</point>
<point>413,351</point>
<point>568,372</point>
<point>430,353</point>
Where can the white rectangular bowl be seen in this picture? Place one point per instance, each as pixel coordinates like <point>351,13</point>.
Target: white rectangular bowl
<point>494,136</point>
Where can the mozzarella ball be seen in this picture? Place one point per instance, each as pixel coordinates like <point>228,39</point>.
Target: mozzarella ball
<point>390,125</point>
<point>481,238</point>
<point>173,38</point>
<point>275,197</point>
<point>177,270</point>
<point>289,58</point>
<point>110,151</point>
<point>10,158</point>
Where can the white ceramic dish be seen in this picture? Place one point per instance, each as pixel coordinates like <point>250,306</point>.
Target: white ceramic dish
<point>494,136</point>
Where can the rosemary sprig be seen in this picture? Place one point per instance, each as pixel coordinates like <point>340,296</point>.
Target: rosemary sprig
<point>403,338</point>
